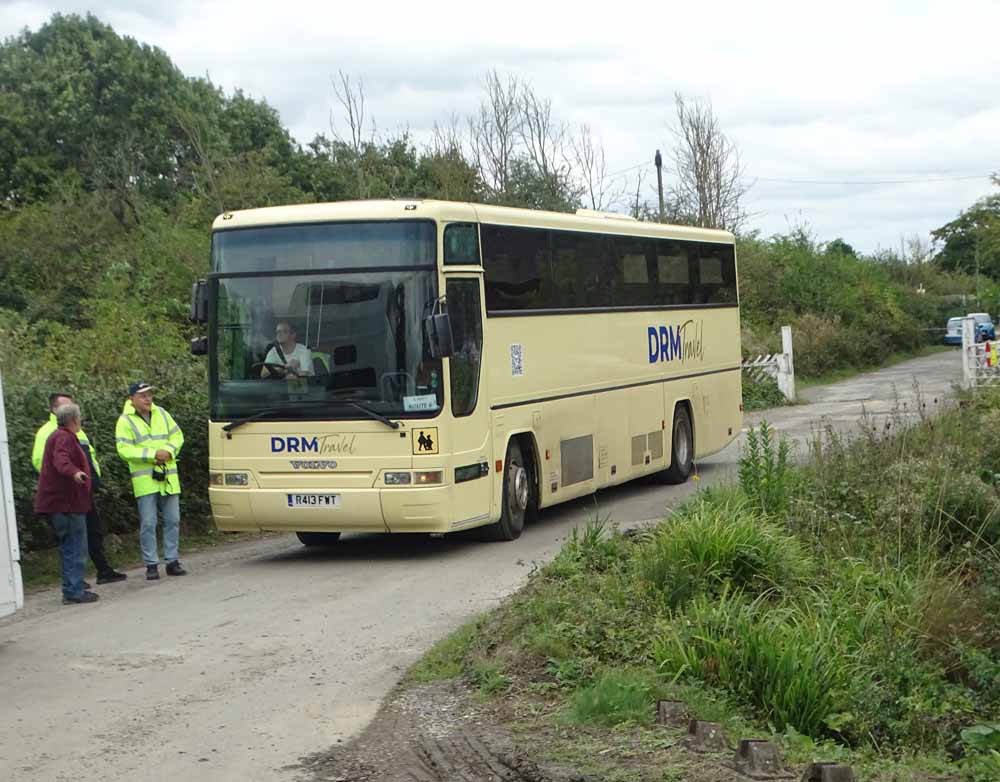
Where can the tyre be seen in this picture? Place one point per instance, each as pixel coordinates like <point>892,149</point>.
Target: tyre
<point>313,539</point>
<point>681,448</point>
<point>517,499</point>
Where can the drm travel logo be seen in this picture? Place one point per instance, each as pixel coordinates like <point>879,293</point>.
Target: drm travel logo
<point>331,444</point>
<point>676,343</point>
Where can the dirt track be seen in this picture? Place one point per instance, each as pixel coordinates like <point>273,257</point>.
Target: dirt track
<point>268,653</point>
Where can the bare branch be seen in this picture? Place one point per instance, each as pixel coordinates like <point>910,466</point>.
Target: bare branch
<point>495,133</point>
<point>710,184</point>
<point>351,97</point>
<point>592,169</point>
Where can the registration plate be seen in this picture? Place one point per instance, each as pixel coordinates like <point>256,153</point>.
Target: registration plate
<point>313,500</point>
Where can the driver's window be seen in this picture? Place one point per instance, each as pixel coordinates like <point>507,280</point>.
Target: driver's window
<point>467,331</point>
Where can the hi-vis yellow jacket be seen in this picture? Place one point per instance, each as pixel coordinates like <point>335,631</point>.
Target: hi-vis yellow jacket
<point>138,443</point>
<point>42,437</point>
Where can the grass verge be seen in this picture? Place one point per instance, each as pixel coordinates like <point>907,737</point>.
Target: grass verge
<point>848,608</point>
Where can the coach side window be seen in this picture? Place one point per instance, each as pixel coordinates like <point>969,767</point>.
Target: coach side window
<point>636,284</point>
<point>673,272</point>
<point>467,332</point>
<point>516,264</point>
<point>461,244</point>
<point>716,274</point>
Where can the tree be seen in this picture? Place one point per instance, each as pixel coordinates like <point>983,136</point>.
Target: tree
<point>975,231</point>
<point>840,247</point>
<point>599,189</point>
<point>710,184</point>
<point>495,134</point>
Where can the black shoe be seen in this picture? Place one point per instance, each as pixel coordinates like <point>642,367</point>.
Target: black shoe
<point>152,573</point>
<point>174,569</point>
<point>83,597</point>
<point>110,577</point>
<point>86,584</point>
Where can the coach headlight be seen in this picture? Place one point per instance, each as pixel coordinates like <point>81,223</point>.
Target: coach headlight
<point>397,478</point>
<point>428,477</point>
<point>237,479</point>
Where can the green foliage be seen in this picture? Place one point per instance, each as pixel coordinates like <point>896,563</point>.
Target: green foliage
<point>983,744</point>
<point>845,311</point>
<point>446,659</point>
<point>717,547</point>
<point>761,394</point>
<point>764,469</point>
<point>617,696</point>
<point>488,677</point>
<point>784,665</point>
<point>975,230</point>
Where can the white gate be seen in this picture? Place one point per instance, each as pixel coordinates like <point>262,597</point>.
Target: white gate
<point>11,589</point>
<point>980,360</point>
<point>779,367</point>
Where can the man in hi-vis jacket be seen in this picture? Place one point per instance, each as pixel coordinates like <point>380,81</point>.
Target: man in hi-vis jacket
<point>149,440</point>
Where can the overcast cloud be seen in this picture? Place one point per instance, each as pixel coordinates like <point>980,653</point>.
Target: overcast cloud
<point>853,92</point>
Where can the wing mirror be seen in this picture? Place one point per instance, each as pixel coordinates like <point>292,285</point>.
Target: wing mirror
<point>199,302</point>
<point>438,329</point>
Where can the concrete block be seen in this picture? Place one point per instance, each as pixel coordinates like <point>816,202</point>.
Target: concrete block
<point>759,759</point>
<point>673,713</point>
<point>828,772</point>
<point>706,737</point>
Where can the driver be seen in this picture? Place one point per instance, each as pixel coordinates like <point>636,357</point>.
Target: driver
<point>293,356</point>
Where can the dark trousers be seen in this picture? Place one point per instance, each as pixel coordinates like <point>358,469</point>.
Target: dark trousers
<point>95,543</point>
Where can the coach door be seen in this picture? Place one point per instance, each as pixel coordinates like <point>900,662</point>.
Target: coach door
<point>470,429</point>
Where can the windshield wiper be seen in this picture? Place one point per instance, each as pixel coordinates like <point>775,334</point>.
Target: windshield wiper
<point>267,411</point>
<point>312,403</point>
<point>369,412</point>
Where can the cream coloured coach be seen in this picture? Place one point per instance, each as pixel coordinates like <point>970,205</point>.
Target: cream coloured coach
<point>471,364</point>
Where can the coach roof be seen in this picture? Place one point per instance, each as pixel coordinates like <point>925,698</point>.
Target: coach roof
<point>452,211</point>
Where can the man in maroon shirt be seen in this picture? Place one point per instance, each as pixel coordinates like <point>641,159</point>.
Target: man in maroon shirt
<point>64,496</point>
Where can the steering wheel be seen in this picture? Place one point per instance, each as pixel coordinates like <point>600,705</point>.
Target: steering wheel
<point>276,371</point>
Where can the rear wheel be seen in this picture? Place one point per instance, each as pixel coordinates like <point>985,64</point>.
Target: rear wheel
<point>681,448</point>
<point>313,539</point>
<point>517,497</point>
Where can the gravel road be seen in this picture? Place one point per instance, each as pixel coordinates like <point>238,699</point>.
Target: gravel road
<point>268,652</point>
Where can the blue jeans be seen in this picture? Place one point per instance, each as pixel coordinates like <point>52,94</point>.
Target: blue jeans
<point>71,530</point>
<point>169,507</point>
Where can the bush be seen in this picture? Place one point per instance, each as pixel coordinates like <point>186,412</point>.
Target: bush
<point>718,546</point>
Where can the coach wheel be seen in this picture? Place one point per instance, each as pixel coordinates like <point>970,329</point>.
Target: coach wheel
<point>517,498</point>
<point>681,448</point>
<point>314,539</point>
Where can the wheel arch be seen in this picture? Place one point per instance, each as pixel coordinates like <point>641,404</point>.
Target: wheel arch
<point>528,443</point>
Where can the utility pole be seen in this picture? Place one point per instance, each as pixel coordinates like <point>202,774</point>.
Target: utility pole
<point>977,271</point>
<point>659,180</point>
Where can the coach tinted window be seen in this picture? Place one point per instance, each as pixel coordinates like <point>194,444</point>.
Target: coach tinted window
<point>673,272</point>
<point>467,330</point>
<point>461,244</point>
<point>716,282</point>
<point>636,285</point>
<point>516,265</point>
<point>584,272</point>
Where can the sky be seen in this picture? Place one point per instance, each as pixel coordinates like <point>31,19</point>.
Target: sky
<point>868,121</point>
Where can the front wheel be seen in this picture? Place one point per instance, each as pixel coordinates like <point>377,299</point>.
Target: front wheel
<point>517,498</point>
<point>681,448</point>
<point>314,539</point>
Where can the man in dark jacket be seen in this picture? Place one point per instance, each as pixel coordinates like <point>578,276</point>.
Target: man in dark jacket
<point>95,538</point>
<point>64,496</point>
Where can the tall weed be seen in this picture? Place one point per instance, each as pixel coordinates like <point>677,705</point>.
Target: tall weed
<point>764,469</point>
<point>713,547</point>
